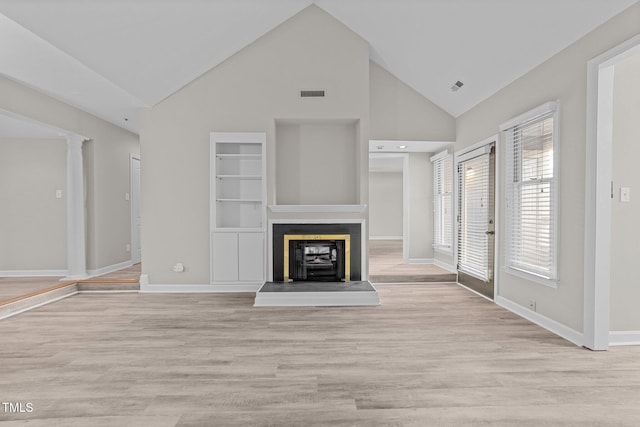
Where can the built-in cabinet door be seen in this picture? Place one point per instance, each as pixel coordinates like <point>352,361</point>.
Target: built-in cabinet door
<point>250,257</point>
<point>225,257</point>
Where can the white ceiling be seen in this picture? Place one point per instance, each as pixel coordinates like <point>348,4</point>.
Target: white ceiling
<point>113,57</point>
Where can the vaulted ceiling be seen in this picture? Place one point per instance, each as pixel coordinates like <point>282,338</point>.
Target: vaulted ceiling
<point>112,57</point>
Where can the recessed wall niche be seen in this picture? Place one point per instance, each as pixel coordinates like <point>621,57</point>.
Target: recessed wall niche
<point>316,162</point>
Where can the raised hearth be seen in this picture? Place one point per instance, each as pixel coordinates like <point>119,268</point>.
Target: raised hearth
<point>316,294</point>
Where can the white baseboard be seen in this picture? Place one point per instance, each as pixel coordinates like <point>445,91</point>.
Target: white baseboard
<point>33,273</point>
<point>13,313</point>
<point>450,268</point>
<point>624,338</point>
<point>420,261</point>
<point>385,237</point>
<point>146,287</point>
<point>109,269</point>
<point>551,325</point>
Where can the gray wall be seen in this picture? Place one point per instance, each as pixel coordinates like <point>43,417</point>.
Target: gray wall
<point>420,206</point>
<point>385,204</point>
<point>33,222</point>
<point>562,78</point>
<point>314,163</point>
<point>625,230</point>
<point>248,92</point>
<point>399,112</point>
<point>106,167</point>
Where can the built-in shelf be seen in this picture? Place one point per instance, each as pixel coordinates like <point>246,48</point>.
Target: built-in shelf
<point>317,208</point>
<point>238,209</point>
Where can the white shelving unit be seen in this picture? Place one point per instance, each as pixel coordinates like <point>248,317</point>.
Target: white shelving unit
<point>238,209</point>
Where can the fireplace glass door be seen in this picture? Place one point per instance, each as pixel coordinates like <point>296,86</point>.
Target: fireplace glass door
<point>317,260</point>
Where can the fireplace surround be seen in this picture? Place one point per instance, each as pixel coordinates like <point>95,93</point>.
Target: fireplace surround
<point>316,252</point>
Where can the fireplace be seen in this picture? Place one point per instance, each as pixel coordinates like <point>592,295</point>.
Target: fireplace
<point>317,257</point>
<point>316,252</point>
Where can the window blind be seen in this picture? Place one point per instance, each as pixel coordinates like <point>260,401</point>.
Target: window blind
<point>531,197</point>
<point>442,202</point>
<point>474,206</point>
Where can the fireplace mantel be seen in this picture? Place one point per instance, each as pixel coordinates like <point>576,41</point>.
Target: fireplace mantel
<point>317,208</point>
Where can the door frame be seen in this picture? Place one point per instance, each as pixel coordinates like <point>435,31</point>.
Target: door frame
<point>599,167</point>
<point>132,158</point>
<point>495,139</point>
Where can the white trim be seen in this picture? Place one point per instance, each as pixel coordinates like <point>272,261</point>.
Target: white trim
<point>597,267</point>
<point>132,231</point>
<point>200,288</point>
<point>393,146</point>
<point>33,273</point>
<point>406,235</point>
<point>552,283</point>
<point>547,107</point>
<point>317,208</point>
<point>107,291</point>
<point>440,155</point>
<point>385,238</point>
<point>37,305</point>
<point>551,325</point>
<point>624,338</point>
<point>420,261</point>
<point>363,241</point>
<point>109,269</point>
<point>446,266</point>
<point>472,154</point>
<point>76,220</point>
<point>414,283</point>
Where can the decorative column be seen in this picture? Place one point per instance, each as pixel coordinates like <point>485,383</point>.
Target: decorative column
<point>76,255</point>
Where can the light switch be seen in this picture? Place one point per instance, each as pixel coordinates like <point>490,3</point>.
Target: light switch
<point>126,196</point>
<point>625,194</point>
<point>58,194</point>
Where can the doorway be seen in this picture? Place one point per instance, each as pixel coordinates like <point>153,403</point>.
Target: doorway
<point>600,194</point>
<point>476,219</point>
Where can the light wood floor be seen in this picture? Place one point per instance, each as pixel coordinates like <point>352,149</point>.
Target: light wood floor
<point>11,287</point>
<point>433,355</point>
<point>386,265</point>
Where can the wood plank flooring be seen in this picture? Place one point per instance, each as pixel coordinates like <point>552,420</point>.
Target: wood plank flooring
<point>433,355</point>
<point>386,265</point>
<point>13,287</point>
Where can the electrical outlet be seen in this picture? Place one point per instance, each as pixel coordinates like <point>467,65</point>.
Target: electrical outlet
<point>178,268</point>
<point>532,305</point>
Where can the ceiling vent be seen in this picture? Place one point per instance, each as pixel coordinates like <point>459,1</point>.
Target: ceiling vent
<point>456,86</point>
<point>311,94</point>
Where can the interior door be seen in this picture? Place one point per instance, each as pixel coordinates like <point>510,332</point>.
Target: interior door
<point>476,219</point>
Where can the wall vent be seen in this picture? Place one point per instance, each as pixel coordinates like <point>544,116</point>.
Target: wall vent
<point>311,94</point>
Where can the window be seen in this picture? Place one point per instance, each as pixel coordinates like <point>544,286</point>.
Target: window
<point>531,181</point>
<point>442,201</point>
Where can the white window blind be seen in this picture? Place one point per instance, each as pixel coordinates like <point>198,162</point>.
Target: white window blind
<point>474,206</point>
<point>531,196</point>
<point>442,201</point>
